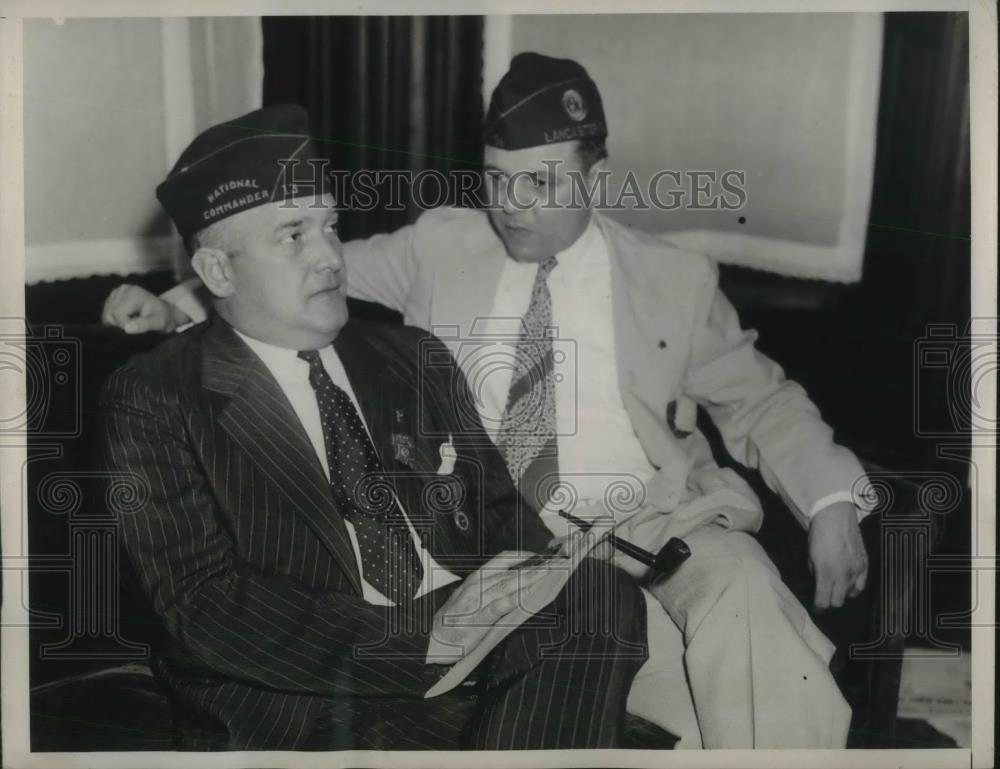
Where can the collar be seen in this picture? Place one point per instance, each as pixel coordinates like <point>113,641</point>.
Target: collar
<point>277,359</point>
<point>584,255</point>
<point>580,246</point>
<point>286,365</point>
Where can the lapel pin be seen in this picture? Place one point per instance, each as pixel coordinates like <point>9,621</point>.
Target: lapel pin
<point>402,448</point>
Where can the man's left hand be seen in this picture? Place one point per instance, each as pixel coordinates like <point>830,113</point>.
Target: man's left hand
<point>837,555</point>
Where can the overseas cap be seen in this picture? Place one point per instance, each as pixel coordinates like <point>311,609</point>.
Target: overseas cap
<point>541,101</point>
<point>235,166</point>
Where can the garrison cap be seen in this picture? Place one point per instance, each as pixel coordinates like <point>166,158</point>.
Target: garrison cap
<point>541,101</point>
<point>238,165</point>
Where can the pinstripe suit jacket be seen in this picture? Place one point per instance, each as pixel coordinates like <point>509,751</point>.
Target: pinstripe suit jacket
<point>241,551</point>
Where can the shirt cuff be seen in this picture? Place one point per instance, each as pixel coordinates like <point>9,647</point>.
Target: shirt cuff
<point>861,505</point>
<point>183,297</point>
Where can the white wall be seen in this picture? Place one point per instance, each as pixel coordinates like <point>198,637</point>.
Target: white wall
<point>93,129</point>
<point>789,98</point>
<point>108,106</point>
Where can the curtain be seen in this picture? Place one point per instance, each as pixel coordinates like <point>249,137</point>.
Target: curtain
<point>226,67</point>
<point>390,93</point>
<point>918,238</point>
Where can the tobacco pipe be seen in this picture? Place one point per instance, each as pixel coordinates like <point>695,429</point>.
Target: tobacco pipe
<point>666,562</point>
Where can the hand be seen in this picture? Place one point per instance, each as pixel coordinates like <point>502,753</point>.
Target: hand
<point>837,555</point>
<point>136,311</point>
<point>478,604</point>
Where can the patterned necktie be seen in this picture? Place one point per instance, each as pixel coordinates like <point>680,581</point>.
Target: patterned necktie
<point>389,560</point>
<point>527,435</point>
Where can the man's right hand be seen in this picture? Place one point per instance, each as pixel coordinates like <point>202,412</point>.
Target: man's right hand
<point>136,311</point>
<point>480,603</point>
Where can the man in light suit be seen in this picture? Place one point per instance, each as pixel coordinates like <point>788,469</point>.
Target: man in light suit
<point>323,527</point>
<point>647,338</point>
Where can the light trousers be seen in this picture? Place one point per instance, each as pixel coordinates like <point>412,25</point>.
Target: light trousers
<point>735,661</point>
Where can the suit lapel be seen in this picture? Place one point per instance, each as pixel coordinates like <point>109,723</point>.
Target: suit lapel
<point>637,308</point>
<point>260,420</point>
<point>388,404</point>
<point>370,381</point>
<point>387,391</point>
<point>642,309</point>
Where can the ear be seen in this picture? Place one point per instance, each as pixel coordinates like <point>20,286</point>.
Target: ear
<point>215,270</point>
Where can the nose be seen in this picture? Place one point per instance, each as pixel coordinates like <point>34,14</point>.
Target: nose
<point>330,255</point>
<point>507,202</point>
<point>509,198</point>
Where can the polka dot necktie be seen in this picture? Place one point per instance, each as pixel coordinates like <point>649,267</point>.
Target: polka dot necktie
<point>362,493</point>
<point>527,435</point>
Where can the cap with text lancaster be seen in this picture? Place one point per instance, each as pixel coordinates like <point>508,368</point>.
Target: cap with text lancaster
<point>541,101</point>
<point>237,165</point>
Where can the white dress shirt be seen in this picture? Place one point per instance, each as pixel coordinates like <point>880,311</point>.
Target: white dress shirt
<point>292,375</point>
<point>598,447</point>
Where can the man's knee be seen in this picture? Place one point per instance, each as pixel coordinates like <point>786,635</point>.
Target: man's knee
<point>724,559</point>
<point>746,563</point>
<point>724,567</point>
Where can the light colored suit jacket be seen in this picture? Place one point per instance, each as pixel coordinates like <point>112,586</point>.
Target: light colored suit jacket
<point>678,344</point>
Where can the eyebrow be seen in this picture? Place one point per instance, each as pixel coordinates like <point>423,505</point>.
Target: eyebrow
<point>290,225</point>
<point>536,174</point>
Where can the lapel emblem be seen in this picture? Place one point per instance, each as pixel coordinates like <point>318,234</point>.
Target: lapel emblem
<point>402,448</point>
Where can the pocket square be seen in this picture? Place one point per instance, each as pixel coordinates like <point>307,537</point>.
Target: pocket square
<point>448,457</point>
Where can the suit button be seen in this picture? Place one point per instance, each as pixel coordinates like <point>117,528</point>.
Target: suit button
<point>662,345</point>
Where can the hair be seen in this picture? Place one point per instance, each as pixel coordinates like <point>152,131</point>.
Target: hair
<point>590,152</point>
<point>191,243</point>
<point>215,235</point>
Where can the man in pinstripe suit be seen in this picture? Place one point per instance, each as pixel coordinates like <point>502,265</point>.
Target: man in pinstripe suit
<point>298,613</point>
